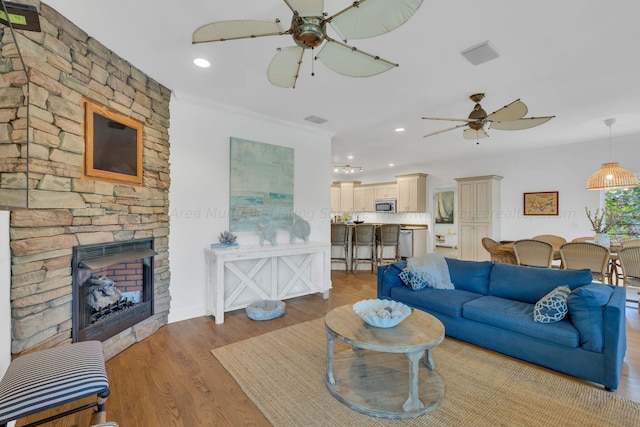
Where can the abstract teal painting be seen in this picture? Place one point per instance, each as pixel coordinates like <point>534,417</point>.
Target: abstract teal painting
<point>261,185</point>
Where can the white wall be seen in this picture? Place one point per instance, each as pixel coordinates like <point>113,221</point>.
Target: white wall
<point>564,168</point>
<point>5,291</point>
<point>199,195</point>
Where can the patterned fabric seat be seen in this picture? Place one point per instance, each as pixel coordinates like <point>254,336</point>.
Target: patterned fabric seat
<point>56,376</point>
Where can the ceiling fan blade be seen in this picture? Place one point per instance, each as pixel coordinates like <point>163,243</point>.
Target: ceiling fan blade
<point>524,123</point>
<point>514,111</point>
<point>475,134</point>
<point>306,7</point>
<point>443,130</point>
<point>285,66</point>
<point>350,61</point>
<point>369,18</point>
<point>233,30</point>
<point>449,119</point>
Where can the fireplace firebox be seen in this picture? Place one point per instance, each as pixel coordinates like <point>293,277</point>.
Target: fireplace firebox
<point>112,288</point>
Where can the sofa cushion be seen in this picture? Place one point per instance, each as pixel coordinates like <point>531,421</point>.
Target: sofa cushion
<point>553,306</point>
<point>444,301</point>
<point>517,317</point>
<point>472,276</point>
<point>585,309</point>
<point>530,284</point>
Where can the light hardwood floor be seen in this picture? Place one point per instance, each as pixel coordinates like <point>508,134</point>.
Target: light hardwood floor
<point>172,379</point>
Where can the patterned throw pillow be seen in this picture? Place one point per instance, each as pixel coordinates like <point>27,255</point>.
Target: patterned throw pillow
<point>412,279</point>
<point>553,306</point>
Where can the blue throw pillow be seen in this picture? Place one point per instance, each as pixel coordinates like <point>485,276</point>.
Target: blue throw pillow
<point>553,306</point>
<point>586,311</point>
<point>390,277</point>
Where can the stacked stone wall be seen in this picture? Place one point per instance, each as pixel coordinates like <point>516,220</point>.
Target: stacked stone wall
<point>65,209</point>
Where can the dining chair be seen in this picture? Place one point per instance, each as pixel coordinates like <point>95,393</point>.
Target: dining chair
<point>630,262</point>
<point>533,253</point>
<point>497,255</point>
<point>340,239</point>
<point>579,255</point>
<point>630,243</point>
<point>583,239</point>
<point>556,242</point>
<point>364,237</point>
<point>387,237</point>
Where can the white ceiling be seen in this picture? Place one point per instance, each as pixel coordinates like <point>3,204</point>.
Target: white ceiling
<point>576,59</point>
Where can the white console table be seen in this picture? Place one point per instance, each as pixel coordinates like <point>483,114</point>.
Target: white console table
<point>237,277</point>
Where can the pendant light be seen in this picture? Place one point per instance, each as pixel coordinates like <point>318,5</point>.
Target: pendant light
<point>611,176</point>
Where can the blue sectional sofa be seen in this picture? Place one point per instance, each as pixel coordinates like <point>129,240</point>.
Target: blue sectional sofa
<point>492,306</point>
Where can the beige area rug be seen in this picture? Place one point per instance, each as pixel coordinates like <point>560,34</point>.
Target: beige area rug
<point>283,373</point>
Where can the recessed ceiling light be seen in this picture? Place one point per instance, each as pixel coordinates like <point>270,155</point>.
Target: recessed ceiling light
<point>399,129</point>
<point>202,63</point>
<point>391,165</point>
<point>349,157</point>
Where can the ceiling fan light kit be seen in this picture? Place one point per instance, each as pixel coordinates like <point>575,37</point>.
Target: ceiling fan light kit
<point>509,117</point>
<point>611,176</point>
<point>348,169</point>
<point>361,19</point>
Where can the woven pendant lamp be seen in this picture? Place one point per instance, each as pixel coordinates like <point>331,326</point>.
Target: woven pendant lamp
<point>611,176</point>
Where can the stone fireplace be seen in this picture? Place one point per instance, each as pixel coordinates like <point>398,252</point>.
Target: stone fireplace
<point>112,288</point>
<point>56,207</point>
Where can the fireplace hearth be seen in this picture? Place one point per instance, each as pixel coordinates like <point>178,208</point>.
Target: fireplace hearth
<point>112,288</point>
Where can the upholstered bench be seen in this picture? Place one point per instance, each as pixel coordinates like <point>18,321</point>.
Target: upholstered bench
<point>45,379</point>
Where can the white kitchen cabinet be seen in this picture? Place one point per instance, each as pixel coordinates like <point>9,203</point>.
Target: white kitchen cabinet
<point>412,193</point>
<point>478,203</point>
<point>388,190</point>
<point>342,196</point>
<point>363,198</point>
<point>335,198</point>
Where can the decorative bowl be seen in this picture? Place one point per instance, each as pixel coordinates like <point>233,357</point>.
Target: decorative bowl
<point>381,313</point>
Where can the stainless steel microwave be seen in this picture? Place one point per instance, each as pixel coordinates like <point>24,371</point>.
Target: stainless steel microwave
<point>386,205</point>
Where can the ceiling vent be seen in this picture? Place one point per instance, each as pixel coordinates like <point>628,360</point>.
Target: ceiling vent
<point>315,119</point>
<point>480,53</point>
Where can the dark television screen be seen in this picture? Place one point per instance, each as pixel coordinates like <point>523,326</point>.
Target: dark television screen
<point>114,146</point>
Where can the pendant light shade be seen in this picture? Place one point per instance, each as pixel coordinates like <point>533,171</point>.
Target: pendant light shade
<point>611,176</point>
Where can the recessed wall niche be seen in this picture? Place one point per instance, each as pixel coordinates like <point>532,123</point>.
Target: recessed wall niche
<point>113,145</point>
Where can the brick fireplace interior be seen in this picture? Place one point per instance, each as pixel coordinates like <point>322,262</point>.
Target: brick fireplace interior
<point>112,288</point>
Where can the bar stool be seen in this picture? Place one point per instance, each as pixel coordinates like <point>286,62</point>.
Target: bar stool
<point>364,236</point>
<point>388,236</point>
<point>340,239</point>
<point>45,379</point>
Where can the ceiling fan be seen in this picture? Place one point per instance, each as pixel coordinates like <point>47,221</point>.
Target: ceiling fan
<point>509,117</point>
<point>361,19</point>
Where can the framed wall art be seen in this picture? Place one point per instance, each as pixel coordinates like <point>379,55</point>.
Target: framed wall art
<point>444,206</point>
<point>541,203</point>
<point>261,181</point>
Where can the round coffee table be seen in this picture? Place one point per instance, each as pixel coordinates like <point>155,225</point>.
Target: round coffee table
<point>373,377</point>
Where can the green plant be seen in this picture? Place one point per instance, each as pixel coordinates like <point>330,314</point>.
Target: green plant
<point>602,220</point>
